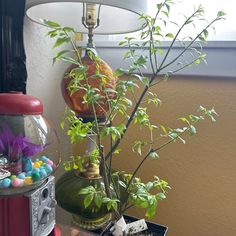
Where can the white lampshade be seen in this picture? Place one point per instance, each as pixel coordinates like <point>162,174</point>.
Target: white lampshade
<point>116,16</point>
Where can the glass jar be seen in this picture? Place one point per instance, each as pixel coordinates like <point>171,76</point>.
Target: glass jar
<point>29,147</point>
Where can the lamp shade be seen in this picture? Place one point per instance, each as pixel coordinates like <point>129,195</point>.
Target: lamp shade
<point>116,16</point>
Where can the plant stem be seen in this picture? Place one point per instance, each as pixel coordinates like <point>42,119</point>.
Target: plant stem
<point>78,54</point>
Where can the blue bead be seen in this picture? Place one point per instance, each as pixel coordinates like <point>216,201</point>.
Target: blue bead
<point>43,173</point>
<point>48,168</point>
<point>21,176</point>
<point>44,158</point>
<point>6,183</point>
<point>35,170</point>
<point>29,173</point>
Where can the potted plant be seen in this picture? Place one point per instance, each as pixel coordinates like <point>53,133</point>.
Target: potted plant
<point>105,189</point>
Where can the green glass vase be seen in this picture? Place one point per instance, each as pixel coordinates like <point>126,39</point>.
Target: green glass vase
<point>68,197</point>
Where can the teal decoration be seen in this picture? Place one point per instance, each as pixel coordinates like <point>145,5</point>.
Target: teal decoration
<point>27,164</point>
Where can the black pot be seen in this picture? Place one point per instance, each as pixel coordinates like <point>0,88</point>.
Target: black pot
<point>153,229</point>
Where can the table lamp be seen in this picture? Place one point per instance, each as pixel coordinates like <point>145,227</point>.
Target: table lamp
<point>90,17</point>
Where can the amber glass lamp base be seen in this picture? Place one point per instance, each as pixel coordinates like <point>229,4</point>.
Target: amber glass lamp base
<point>76,100</point>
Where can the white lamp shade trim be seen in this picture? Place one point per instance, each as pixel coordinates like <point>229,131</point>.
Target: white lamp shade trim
<point>116,16</point>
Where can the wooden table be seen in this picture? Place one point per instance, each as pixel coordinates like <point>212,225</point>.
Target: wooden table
<point>65,230</point>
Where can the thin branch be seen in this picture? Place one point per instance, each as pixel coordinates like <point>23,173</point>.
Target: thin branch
<point>189,45</point>
<point>175,38</point>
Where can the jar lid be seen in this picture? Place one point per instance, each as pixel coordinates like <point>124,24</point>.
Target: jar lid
<point>17,103</point>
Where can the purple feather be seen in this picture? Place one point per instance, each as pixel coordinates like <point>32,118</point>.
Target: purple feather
<point>14,147</point>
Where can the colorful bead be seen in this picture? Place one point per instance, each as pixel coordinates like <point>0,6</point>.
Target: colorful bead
<point>17,182</point>
<point>32,172</point>
<point>44,158</point>
<point>36,170</point>
<point>21,175</point>
<point>13,177</point>
<point>43,173</point>
<point>28,180</point>
<point>50,162</point>
<point>6,183</point>
<point>48,168</point>
<point>35,176</point>
<point>36,165</point>
<point>54,166</point>
<point>29,174</point>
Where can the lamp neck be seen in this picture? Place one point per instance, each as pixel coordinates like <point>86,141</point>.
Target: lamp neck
<point>91,20</point>
<point>90,43</point>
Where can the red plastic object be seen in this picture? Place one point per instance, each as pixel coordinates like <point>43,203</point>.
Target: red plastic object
<point>56,232</point>
<point>16,103</point>
<point>14,216</point>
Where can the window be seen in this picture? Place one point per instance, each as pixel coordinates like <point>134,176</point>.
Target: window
<point>225,30</point>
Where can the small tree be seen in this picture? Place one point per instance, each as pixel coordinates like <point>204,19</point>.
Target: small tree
<point>132,109</point>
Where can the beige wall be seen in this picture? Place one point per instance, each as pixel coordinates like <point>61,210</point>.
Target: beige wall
<point>202,173</point>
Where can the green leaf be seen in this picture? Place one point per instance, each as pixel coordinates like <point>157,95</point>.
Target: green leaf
<point>106,199</point>
<point>114,205</point>
<point>119,72</point>
<point>69,60</point>
<point>205,32</point>
<point>151,211</point>
<point>220,14</point>
<point>59,54</point>
<point>141,60</point>
<point>164,129</point>
<point>117,151</point>
<point>121,183</point>
<point>84,191</point>
<point>98,200</point>
<point>62,124</point>
<point>52,33</point>
<point>160,196</point>
<point>137,147</point>
<point>51,24</point>
<point>192,130</point>
<point>68,29</point>
<point>149,186</point>
<point>67,166</point>
<point>60,41</point>
<point>198,61</point>
<point>88,200</point>
<point>159,6</point>
<point>154,155</point>
<point>184,119</point>
<point>170,35</point>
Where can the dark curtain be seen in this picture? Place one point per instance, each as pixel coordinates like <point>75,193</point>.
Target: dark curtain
<point>13,73</point>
